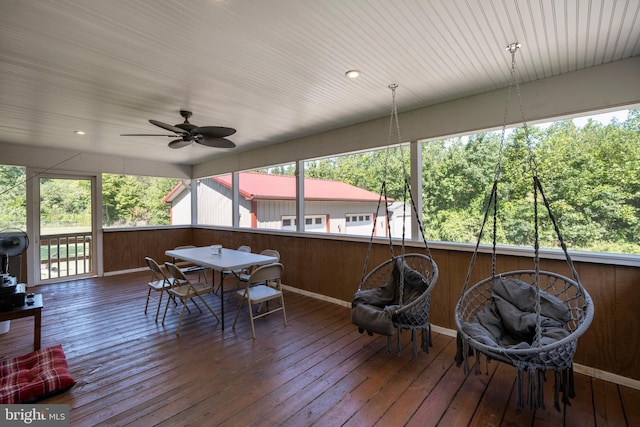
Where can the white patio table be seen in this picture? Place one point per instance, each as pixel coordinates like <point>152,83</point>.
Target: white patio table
<point>226,260</point>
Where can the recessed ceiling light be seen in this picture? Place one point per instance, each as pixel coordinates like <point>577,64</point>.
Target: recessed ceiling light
<point>352,74</point>
<point>79,132</point>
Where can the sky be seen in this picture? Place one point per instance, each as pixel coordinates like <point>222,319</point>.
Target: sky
<point>604,118</point>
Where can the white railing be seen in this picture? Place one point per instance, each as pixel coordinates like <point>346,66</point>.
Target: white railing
<point>64,255</point>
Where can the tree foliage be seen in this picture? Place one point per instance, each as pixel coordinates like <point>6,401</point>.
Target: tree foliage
<point>129,200</point>
<point>590,176</point>
<point>13,199</point>
<point>64,203</point>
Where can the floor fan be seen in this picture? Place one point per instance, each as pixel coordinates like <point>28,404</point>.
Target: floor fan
<point>13,243</point>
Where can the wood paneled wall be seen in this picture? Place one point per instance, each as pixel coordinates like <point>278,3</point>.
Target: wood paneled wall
<point>125,250</point>
<point>333,268</point>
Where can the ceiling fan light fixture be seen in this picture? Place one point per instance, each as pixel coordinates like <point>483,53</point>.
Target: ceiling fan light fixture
<point>352,74</point>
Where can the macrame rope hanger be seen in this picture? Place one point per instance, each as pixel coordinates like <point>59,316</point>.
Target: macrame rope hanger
<point>537,187</point>
<point>394,130</point>
<point>539,357</point>
<point>379,305</point>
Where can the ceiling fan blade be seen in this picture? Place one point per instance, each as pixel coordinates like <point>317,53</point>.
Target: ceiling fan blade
<point>145,134</point>
<point>216,142</point>
<point>168,127</point>
<point>213,131</point>
<point>179,143</point>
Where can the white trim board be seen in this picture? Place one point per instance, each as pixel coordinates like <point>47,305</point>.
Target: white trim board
<point>581,369</point>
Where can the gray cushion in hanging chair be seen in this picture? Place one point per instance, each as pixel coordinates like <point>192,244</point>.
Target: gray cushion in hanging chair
<point>523,297</point>
<point>509,320</point>
<point>372,309</point>
<point>373,319</point>
<point>368,306</point>
<point>481,329</point>
<point>381,296</point>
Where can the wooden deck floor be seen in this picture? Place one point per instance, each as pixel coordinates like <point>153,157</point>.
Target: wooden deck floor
<point>317,371</point>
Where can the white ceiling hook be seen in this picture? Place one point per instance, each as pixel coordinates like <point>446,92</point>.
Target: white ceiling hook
<point>513,47</point>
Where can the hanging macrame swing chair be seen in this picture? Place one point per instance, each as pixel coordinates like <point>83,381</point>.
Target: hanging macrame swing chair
<point>396,294</point>
<point>530,319</point>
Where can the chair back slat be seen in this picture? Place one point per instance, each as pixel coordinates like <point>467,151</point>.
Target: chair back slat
<point>271,252</point>
<point>153,265</point>
<point>176,273</point>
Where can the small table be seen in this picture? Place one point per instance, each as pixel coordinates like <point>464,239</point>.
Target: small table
<point>34,310</point>
<point>227,260</point>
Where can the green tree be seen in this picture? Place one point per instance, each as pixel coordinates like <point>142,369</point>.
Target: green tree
<point>158,213</point>
<point>65,202</point>
<point>457,174</point>
<point>129,200</point>
<point>594,180</point>
<point>590,175</point>
<point>365,170</point>
<point>13,199</point>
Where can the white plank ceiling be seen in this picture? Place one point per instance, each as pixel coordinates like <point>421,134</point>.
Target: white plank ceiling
<point>273,69</point>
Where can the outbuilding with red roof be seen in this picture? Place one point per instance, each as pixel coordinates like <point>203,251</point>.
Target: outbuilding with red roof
<point>268,201</point>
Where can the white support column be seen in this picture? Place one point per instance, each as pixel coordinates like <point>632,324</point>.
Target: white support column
<point>416,186</point>
<point>33,228</point>
<point>192,186</point>
<point>300,195</point>
<point>235,199</point>
<point>97,225</point>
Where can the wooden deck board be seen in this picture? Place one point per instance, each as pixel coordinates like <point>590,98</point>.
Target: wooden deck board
<point>371,411</point>
<point>460,412</point>
<point>318,370</point>
<point>580,412</point>
<point>630,398</point>
<point>609,411</point>
<point>410,401</point>
<point>496,398</point>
